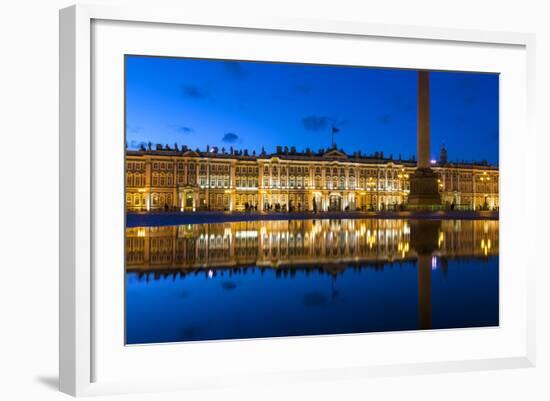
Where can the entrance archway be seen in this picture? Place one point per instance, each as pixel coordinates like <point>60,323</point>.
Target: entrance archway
<point>335,202</point>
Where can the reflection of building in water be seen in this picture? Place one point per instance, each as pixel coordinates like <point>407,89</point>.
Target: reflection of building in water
<point>182,179</point>
<point>462,237</point>
<point>299,242</point>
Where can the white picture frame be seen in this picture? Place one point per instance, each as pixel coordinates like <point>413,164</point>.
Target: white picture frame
<point>78,158</point>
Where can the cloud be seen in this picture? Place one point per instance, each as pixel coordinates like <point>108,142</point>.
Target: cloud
<point>316,123</point>
<point>235,69</point>
<point>194,92</point>
<point>182,129</point>
<point>385,119</point>
<point>230,137</point>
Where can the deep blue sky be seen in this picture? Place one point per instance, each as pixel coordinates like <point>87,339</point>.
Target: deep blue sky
<point>248,105</point>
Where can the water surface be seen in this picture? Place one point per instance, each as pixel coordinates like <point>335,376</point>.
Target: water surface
<point>309,277</point>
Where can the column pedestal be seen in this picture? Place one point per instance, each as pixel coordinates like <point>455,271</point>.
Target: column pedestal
<point>424,189</point>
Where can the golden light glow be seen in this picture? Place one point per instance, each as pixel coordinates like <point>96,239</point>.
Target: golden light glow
<point>403,248</point>
<point>485,246</point>
<point>318,242</point>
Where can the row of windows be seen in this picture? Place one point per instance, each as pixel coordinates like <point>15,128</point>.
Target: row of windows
<point>214,168</point>
<point>297,169</point>
<point>222,181</point>
<point>467,187</point>
<point>162,179</point>
<point>248,182</point>
<point>163,166</point>
<point>336,172</point>
<point>138,166</point>
<point>486,188</point>
<point>156,199</point>
<point>335,182</point>
<point>181,166</point>
<point>135,199</point>
<point>247,170</point>
<point>465,177</point>
<point>135,180</point>
<point>159,200</point>
<point>215,181</point>
<point>183,179</point>
<point>251,199</point>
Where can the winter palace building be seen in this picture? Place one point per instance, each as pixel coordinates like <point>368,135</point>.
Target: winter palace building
<point>172,178</point>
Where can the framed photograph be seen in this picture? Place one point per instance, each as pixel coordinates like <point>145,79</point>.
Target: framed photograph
<point>270,200</point>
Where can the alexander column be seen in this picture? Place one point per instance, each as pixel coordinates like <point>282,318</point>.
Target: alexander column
<point>424,187</point>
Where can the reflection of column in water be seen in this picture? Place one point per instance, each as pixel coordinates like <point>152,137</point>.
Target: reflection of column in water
<point>424,291</point>
<point>424,239</point>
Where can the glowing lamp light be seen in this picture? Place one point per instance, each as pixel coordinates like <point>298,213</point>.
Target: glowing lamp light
<point>433,161</point>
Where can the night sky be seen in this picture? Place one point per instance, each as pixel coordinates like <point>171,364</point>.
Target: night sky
<point>248,105</point>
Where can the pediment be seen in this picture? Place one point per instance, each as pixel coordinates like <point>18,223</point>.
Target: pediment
<point>335,154</point>
<point>191,153</point>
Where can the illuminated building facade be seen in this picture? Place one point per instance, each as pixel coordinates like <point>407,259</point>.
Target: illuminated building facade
<point>187,180</point>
